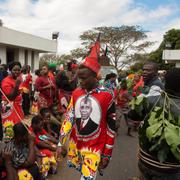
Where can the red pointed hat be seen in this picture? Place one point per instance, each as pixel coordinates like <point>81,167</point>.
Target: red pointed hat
<point>91,61</point>
<point>92,64</point>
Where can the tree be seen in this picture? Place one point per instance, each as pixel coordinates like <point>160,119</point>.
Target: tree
<point>171,40</point>
<point>121,41</point>
<point>79,53</point>
<point>53,58</point>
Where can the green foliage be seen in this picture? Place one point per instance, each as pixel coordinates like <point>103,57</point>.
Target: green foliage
<point>154,130</point>
<point>137,104</point>
<point>162,132</point>
<point>56,59</point>
<point>137,67</point>
<point>120,41</point>
<point>171,37</point>
<point>79,53</point>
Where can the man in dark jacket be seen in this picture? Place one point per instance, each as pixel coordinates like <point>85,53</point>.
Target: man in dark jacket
<point>152,85</point>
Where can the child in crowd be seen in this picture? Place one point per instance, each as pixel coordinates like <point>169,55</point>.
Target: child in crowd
<point>50,127</point>
<point>46,143</point>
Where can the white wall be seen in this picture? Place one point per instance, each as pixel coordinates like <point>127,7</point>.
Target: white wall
<point>29,57</point>
<point>171,55</point>
<point>3,54</point>
<point>21,56</point>
<point>16,38</point>
<point>36,60</point>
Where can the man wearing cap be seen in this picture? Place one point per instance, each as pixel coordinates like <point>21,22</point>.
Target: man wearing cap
<point>90,148</point>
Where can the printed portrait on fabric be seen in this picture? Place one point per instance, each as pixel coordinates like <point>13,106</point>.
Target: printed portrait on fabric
<point>88,115</point>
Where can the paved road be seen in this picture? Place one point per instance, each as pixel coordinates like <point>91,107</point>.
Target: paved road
<point>122,166</point>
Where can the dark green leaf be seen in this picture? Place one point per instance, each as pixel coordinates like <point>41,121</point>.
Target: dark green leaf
<point>162,153</point>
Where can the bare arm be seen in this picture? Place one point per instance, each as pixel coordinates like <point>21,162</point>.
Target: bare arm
<point>32,155</point>
<point>11,172</point>
<point>15,91</point>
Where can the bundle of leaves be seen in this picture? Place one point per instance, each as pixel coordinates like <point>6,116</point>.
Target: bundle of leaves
<point>138,106</point>
<point>159,134</point>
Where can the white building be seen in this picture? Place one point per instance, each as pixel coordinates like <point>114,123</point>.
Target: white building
<point>172,56</point>
<point>23,47</point>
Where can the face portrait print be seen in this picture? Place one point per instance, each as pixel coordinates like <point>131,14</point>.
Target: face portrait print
<point>85,108</point>
<point>88,115</point>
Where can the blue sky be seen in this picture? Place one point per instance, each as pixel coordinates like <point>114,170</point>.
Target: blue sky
<point>72,17</point>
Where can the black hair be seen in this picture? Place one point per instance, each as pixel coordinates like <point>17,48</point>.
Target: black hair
<point>19,130</point>
<point>36,120</point>
<point>24,69</point>
<point>109,76</point>
<point>44,110</point>
<point>69,68</point>
<point>172,81</point>
<point>5,66</point>
<point>113,75</point>
<point>12,64</point>
<point>154,65</point>
<point>90,71</point>
<point>37,72</point>
<point>46,65</point>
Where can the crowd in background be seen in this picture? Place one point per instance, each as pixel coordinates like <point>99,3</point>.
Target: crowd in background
<point>33,107</point>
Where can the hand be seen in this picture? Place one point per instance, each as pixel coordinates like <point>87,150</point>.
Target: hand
<point>18,81</point>
<point>7,154</point>
<point>50,86</point>
<point>46,87</point>
<point>103,163</point>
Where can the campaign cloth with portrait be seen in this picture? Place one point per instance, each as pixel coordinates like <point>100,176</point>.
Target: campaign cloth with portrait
<point>91,120</point>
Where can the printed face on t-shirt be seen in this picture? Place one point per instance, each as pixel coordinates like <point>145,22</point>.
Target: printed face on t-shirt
<point>85,108</point>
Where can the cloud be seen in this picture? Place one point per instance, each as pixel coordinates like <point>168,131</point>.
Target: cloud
<point>72,17</point>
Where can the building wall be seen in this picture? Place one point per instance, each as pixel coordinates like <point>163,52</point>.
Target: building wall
<point>3,54</point>
<point>36,60</point>
<point>21,56</point>
<point>29,57</point>
<point>32,61</point>
<point>16,38</point>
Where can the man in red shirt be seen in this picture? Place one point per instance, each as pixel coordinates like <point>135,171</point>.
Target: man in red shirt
<point>91,120</point>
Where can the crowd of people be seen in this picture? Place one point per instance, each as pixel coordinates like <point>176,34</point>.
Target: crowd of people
<point>40,114</point>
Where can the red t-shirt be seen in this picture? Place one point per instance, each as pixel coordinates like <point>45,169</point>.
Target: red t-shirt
<point>8,84</point>
<point>45,81</point>
<point>11,111</point>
